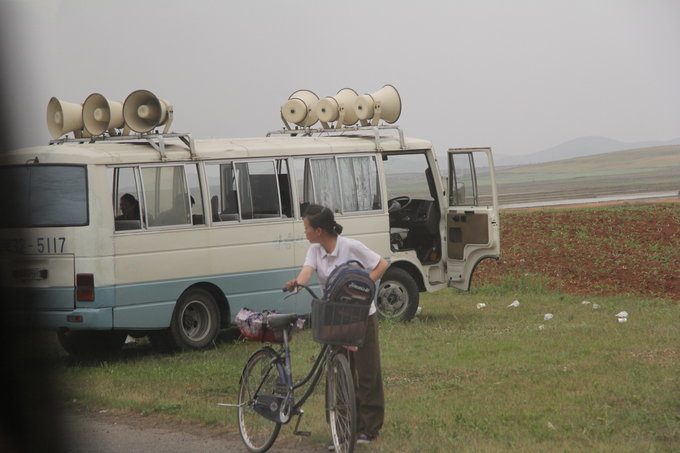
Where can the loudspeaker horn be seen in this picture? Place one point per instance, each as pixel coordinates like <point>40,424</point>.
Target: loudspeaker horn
<point>64,117</point>
<point>384,104</point>
<point>299,108</point>
<point>101,115</point>
<point>338,108</point>
<point>143,111</point>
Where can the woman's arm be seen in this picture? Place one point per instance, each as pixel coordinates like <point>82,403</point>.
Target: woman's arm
<point>379,270</point>
<point>303,277</point>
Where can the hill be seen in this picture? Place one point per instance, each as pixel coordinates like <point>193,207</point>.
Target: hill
<point>582,146</point>
<point>652,169</point>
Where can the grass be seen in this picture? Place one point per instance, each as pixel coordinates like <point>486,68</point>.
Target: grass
<point>456,379</point>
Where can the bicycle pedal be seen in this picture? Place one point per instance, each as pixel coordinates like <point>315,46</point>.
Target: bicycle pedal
<point>302,433</point>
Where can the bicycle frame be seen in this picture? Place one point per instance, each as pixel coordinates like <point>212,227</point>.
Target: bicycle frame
<point>283,364</point>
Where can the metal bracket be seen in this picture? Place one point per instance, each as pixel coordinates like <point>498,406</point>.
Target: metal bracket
<point>157,141</point>
<point>344,130</point>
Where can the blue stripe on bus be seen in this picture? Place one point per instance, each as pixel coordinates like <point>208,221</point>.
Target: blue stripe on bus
<point>150,305</point>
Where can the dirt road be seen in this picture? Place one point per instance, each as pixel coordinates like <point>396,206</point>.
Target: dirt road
<point>104,433</point>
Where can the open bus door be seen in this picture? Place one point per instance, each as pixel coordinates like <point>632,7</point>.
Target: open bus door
<point>472,222</point>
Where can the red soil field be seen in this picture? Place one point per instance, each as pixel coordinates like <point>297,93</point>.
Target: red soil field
<point>593,251</point>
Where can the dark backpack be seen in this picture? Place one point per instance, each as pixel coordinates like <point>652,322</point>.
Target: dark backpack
<point>349,283</point>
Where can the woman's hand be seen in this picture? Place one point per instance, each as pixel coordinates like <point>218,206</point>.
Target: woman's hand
<point>291,285</point>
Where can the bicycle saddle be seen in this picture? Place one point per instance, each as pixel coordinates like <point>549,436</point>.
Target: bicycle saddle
<point>280,321</point>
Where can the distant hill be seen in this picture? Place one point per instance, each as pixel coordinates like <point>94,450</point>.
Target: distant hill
<point>649,169</point>
<point>582,146</point>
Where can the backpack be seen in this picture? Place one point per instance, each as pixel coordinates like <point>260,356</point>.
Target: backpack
<point>349,283</point>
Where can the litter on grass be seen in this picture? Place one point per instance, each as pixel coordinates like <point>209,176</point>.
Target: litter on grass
<point>514,304</point>
<point>481,305</point>
<point>548,316</point>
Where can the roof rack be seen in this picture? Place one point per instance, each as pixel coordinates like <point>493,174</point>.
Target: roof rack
<point>157,141</point>
<point>308,131</point>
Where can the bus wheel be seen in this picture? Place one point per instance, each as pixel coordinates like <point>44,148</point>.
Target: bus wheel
<point>195,321</point>
<point>398,295</point>
<point>90,344</point>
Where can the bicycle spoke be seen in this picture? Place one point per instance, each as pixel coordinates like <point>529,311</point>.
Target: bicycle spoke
<point>341,404</point>
<point>258,433</point>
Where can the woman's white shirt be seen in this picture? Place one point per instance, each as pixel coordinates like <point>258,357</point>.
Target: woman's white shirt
<point>346,249</point>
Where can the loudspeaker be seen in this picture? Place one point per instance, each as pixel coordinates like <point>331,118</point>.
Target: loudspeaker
<point>64,117</point>
<point>384,104</point>
<point>101,115</point>
<point>299,108</point>
<point>143,111</point>
<point>338,108</point>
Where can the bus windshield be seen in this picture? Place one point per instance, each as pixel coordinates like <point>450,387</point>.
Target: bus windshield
<point>44,195</point>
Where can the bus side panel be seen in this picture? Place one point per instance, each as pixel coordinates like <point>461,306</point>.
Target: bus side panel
<point>150,305</point>
<point>248,262</point>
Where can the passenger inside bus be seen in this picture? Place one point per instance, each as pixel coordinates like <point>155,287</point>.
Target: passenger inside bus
<point>129,206</point>
<point>129,219</point>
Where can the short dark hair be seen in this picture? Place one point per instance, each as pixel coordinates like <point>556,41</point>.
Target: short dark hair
<point>321,217</point>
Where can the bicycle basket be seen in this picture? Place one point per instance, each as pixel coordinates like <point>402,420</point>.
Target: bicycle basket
<point>253,326</point>
<point>339,323</point>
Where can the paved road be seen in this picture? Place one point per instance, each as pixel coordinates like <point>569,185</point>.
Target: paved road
<point>103,433</point>
<point>603,199</point>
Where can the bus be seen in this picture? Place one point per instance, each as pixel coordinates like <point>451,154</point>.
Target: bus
<point>167,236</point>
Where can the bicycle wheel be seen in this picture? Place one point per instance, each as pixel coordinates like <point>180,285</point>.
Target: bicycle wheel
<point>257,432</point>
<point>342,410</point>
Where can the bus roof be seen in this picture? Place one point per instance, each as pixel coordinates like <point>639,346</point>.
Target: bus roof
<point>141,150</point>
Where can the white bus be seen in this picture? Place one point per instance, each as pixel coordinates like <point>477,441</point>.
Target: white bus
<point>167,236</point>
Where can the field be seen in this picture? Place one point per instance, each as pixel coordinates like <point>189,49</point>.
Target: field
<point>621,172</point>
<point>468,379</point>
<point>621,250</point>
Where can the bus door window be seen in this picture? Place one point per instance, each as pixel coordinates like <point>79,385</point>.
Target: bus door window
<point>166,197</point>
<point>126,199</point>
<point>470,184</point>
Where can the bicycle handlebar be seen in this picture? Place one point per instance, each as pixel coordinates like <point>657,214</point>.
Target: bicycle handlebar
<point>300,285</point>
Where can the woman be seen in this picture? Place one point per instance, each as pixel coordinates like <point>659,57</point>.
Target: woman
<point>129,207</point>
<point>329,250</point>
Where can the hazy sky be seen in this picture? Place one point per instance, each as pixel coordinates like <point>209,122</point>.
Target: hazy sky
<point>520,76</point>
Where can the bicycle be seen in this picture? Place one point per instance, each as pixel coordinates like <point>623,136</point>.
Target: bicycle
<point>267,387</point>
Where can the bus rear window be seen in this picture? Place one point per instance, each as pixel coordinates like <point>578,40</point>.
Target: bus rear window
<point>44,195</point>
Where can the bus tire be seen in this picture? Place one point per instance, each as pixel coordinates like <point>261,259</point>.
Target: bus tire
<point>398,296</point>
<point>195,320</point>
<point>90,344</point>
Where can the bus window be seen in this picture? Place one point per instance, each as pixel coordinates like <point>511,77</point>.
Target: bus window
<point>44,195</point>
<point>359,181</point>
<point>258,186</point>
<point>222,190</point>
<point>343,184</point>
<point>284,187</point>
<point>195,197</point>
<point>321,184</point>
<point>165,193</point>
<point>126,200</point>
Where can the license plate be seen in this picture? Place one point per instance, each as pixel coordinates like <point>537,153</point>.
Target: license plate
<point>33,273</point>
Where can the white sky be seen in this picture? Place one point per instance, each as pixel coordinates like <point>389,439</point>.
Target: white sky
<point>520,76</point>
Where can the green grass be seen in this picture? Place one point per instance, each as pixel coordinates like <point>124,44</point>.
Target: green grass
<point>456,379</point>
